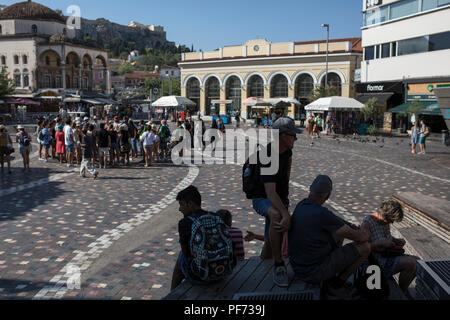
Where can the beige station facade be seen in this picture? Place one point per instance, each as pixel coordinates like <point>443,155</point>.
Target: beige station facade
<point>267,70</point>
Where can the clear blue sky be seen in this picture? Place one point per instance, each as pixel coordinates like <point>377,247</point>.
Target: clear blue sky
<point>209,24</point>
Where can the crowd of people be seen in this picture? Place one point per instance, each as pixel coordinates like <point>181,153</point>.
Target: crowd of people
<point>312,237</point>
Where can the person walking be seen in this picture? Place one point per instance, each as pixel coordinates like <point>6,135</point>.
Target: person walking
<point>114,151</point>
<point>310,127</point>
<point>38,134</point>
<point>77,135</point>
<point>414,137</point>
<point>5,148</point>
<point>213,138</point>
<point>164,137</point>
<point>88,146</point>
<point>148,139</point>
<point>24,140</point>
<point>124,142</point>
<point>103,144</point>
<point>46,140</point>
<point>60,143</point>
<point>318,121</point>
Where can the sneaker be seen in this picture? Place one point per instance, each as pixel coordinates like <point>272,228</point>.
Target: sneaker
<point>280,277</point>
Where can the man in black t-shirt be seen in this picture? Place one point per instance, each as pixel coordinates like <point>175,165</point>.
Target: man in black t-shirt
<point>88,145</point>
<point>103,144</point>
<point>271,200</point>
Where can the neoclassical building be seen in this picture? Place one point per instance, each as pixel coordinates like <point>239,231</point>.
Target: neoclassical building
<point>39,51</point>
<point>268,70</point>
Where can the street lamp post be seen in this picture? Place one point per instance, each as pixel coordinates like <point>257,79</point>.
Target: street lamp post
<point>328,35</point>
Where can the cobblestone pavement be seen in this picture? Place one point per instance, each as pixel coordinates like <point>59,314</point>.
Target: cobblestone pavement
<point>55,215</point>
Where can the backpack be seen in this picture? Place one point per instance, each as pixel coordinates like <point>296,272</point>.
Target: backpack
<point>251,177</point>
<point>165,134</point>
<point>211,248</point>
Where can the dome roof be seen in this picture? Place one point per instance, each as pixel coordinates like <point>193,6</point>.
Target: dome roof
<point>30,10</point>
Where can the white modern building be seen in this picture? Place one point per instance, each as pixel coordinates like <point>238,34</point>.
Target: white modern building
<point>406,47</point>
<point>405,39</point>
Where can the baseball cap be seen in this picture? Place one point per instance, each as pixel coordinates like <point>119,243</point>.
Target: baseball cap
<point>286,125</point>
<point>321,185</point>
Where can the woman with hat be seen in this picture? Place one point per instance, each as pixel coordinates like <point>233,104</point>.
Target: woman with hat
<point>60,143</point>
<point>5,148</point>
<point>23,138</point>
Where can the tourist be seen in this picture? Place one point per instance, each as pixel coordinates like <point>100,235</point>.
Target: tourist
<point>60,143</point>
<point>271,197</point>
<point>148,139</point>
<point>103,144</point>
<point>46,139</point>
<point>38,134</point>
<point>315,241</point>
<point>53,125</point>
<point>186,267</point>
<point>423,134</point>
<point>156,144</point>
<point>132,131</point>
<point>5,148</point>
<point>69,141</point>
<point>381,241</point>
<point>237,118</point>
<point>319,128</point>
<point>235,234</point>
<point>24,140</point>
<point>88,144</point>
<point>198,134</point>
<point>214,127</point>
<point>414,136</point>
<point>327,124</point>
<point>164,137</point>
<point>310,127</point>
<point>124,143</point>
<point>77,135</point>
<point>115,148</point>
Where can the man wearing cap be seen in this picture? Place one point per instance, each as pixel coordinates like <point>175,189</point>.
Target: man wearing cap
<point>315,241</point>
<point>271,197</point>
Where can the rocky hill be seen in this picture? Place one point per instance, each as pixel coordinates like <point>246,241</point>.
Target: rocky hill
<point>108,31</point>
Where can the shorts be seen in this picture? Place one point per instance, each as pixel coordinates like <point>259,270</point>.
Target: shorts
<point>261,206</point>
<point>115,146</point>
<point>422,140</point>
<point>46,145</point>
<point>25,149</point>
<point>163,146</point>
<point>70,148</point>
<point>185,269</point>
<point>103,151</point>
<point>337,262</point>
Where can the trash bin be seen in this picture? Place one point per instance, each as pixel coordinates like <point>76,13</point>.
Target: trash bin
<point>445,137</point>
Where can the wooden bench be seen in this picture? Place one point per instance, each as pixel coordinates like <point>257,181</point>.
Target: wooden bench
<point>251,276</point>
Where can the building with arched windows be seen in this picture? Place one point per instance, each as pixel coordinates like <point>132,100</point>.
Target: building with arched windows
<point>263,69</point>
<point>39,52</point>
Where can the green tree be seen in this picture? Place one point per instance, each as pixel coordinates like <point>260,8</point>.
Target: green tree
<point>124,55</point>
<point>322,92</point>
<point>126,68</point>
<point>372,111</point>
<point>151,83</point>
<point>6,84</point>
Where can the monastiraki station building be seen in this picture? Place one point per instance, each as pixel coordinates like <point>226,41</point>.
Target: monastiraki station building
<point>263,69</point>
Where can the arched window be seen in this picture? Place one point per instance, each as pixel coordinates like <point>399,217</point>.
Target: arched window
<point>26,78</point>
<point>16,59</point>
<point>17,78</point>
<point>255,87</point>
<point>25,59</point>
<point>212,92</point>
<point>3,60</point>
<point>304,86</point>
<point>34,29</point>
<point>334,81</point>
<point>233,92</point>
<point>193,90</point>
<point>279,87</point>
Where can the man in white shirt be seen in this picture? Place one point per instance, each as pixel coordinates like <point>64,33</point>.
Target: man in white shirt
<point>148,138</point>
<point>69,141</point>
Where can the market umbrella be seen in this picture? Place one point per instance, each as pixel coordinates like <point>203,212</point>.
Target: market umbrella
<point>335,104</point>
<point>173,101</point>
<point>256,102</point>
<point>282,102</point>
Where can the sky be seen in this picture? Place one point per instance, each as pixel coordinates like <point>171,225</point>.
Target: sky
<point>210,24</point>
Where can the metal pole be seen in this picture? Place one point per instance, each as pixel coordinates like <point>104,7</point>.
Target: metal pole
<point>326,74</point>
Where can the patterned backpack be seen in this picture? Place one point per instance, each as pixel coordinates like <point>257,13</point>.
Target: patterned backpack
<point>211,248</point>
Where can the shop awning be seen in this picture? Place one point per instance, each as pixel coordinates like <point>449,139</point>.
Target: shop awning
<point>335,104</point>
<point>430,108</point>
<point>381,97</point>
<point>92,101</point>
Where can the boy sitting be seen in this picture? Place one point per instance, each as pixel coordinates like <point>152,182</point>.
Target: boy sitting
<point>206,246</point>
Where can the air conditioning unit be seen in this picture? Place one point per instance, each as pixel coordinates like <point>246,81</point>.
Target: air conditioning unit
<point>433,279</point>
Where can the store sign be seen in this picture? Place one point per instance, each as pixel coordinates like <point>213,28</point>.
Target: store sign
<point>378,87</point>
<point>373,3</point>
<point>421,97</point>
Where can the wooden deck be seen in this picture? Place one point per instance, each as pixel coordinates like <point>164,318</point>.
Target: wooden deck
<point>250,276</point>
